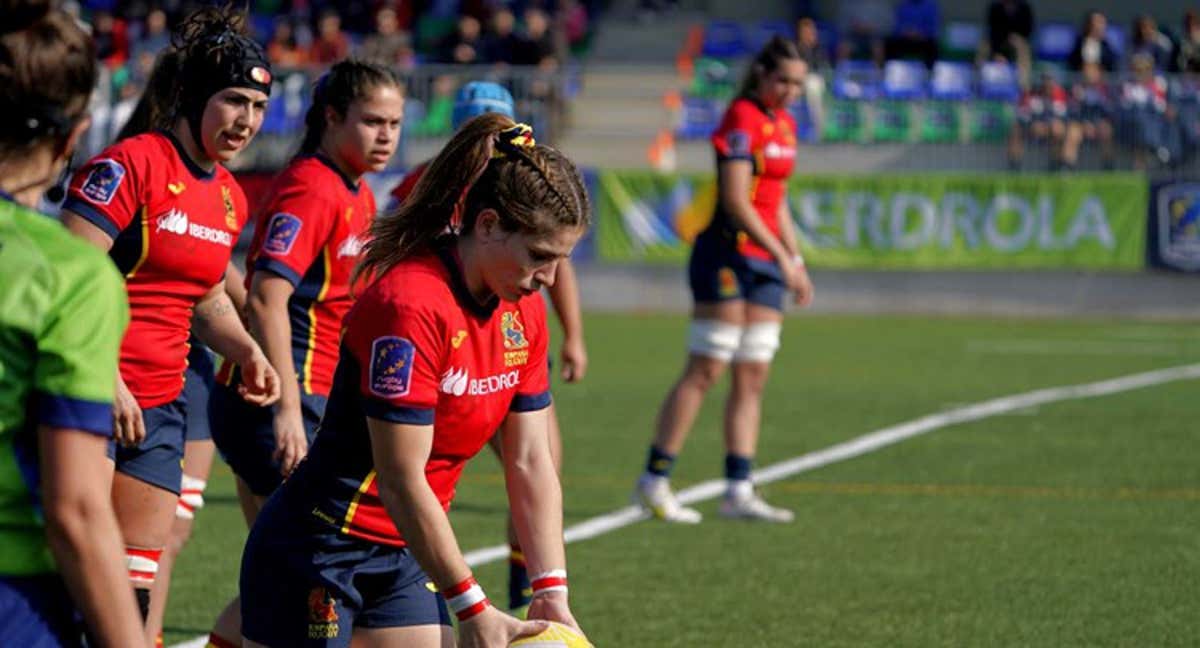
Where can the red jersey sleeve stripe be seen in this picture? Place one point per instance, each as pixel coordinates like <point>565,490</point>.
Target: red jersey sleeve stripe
<point>530,402</point>
<point>93,216</point>
<point>280,268</point>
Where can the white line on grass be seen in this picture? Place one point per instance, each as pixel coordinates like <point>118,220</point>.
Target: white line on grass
<point>855,447</point>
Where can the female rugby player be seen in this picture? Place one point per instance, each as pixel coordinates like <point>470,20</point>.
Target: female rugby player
<point>742,268</point>
<point>169,213</point>
<point>446,346</point>
<point>307,241</point>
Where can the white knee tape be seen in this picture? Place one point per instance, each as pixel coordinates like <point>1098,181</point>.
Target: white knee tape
<point>714,339</point>
<point>191,497</point>
<point>759,342</point>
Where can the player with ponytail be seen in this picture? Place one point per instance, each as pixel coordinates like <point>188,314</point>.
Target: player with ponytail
<point>446,346</point>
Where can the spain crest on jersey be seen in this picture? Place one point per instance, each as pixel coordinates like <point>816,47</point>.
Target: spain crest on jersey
<point>513,331</point>
<point>322,615</point>
<point>231,220</point>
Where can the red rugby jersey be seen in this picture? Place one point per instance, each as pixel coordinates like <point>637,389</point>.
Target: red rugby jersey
<point>310,231</point>
<point>173,226</point>
<point>767,138</point>
<point>418,349</point>
<point>406,184</point>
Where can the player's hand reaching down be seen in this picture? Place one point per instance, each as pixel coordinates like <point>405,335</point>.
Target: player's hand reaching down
<point>574,360</point>
<point>129,429</point>
<point>495,629</point>
<point>552,606</point>
<point>260,383</point>
<point>291,441</point>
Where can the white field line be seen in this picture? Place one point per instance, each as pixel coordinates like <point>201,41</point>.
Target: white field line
<point>855,447</point>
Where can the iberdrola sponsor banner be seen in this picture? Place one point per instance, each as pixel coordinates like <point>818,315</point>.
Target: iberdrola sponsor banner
<point>900,221</point>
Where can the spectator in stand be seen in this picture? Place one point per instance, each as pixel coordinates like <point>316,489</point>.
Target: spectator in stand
<point>862,24</point>
<point>112,39</point>
<point>811,49</point>
<point>1041,117</point>
<point>1091,119</point>
<point>1144,113</point>
<point>465,45</point>
<point>155,36</point>
<point>1147,39</point>
<point>331,44</point>
<point>573,17</point>
<point>1092,46</point>
<point>537,47</point>
<point>915,28</point>
<point>1187,58</point>
<point>283,50</point>
<point>1010,27</point>
<point>1185,101</point>
<point>502,43</point>
<point>389,45</point>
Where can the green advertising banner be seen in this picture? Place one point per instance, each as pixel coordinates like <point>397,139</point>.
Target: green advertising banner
<point>919,221</point>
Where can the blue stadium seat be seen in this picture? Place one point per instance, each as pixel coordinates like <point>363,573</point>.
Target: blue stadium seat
<point>998,82</point>
<point>766,29</point>
<point>698,118</point>
<point>724,39</point>
<point>905,80</point>
<point>856,80</point>
<point>1054,41</point>
<point>952,81</point>
<point>262,26</point>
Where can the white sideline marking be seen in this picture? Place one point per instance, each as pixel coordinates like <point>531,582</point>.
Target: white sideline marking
<point>858,446</point>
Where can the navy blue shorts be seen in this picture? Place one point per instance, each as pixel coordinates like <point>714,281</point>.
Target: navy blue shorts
<point>245,436</point>
<point>158,459</point>
<point>717,272</point>
<point>304,584</point>
<point>198,382</point>
<point>37,612</point>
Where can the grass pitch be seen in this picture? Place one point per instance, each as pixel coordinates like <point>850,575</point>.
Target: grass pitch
<point>1072,524</point>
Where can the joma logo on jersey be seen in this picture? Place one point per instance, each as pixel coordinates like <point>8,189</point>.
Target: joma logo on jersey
<point>513,331</point>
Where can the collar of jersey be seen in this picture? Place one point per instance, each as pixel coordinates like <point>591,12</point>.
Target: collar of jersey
<point>333,167</point>
<point>193,168</point>
<point>761,106</point>
<point>458,284</point>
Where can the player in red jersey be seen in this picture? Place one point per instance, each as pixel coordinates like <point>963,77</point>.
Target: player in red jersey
<point>168,212</point>
<point>306,244</point>
<point>474,99</point>
<point>445,347</point>
<point>741,270</point>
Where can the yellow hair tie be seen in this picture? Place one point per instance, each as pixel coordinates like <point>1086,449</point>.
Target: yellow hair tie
<point>511,139</point>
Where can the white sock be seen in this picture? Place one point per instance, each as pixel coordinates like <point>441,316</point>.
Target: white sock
<point>738,488</point>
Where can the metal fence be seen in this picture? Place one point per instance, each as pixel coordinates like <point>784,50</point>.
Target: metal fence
<point>540,98</point>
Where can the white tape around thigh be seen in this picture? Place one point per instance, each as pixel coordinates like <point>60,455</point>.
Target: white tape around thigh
<point>714,339</point>
<point>759,342</point>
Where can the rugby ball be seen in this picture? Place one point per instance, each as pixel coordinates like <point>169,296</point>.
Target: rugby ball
<point>556,636</point>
